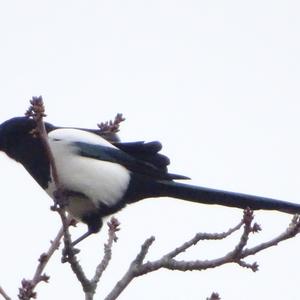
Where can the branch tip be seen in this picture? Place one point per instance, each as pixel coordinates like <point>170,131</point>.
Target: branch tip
<point>248,216</point>
<point>111,126</point>
<point>36,109</point>
<point>256,228</point>
<point>214,296</point>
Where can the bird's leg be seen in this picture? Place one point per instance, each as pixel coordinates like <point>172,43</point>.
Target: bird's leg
<point>81,238</point>
<point>94,223</point>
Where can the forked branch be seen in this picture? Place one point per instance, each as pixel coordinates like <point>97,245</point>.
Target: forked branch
<point>138,267</point>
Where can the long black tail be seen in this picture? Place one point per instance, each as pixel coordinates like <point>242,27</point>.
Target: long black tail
<point>204,195</point>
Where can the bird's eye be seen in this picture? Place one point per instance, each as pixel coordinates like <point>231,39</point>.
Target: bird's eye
<point>56,140</point>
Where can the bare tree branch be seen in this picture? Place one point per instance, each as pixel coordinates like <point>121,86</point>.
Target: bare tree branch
<point>167,261</point>
<point>131,273</point>
<point>201,237</point>
<point>292,230</point>
<point>26,292</point>
<point>3,294</point>
<point>113,226</point>
<point>37,112</point>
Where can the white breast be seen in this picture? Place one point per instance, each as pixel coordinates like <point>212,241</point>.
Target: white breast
<point>101,181</point>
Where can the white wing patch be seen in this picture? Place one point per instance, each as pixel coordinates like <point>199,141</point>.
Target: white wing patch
<point>77,135</point>
<point>101,181</point>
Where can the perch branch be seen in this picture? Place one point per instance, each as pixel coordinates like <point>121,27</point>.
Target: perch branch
<point>168,261</point>
<point>37,111</point>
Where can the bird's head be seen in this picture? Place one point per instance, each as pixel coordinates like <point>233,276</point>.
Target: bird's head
<point>16,136</point>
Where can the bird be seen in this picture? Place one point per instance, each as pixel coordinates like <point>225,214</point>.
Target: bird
<point>100,176</point>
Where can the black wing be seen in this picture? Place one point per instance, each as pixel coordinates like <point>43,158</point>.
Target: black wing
<point>148,152</point>
<point>138,157</point>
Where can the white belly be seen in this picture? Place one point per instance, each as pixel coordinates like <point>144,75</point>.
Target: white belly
<point>100,181</point>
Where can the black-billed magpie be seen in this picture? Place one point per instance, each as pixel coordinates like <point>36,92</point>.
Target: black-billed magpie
<point>99,177</point>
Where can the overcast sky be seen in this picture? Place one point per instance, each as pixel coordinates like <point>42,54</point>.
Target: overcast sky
<point>217,82</point>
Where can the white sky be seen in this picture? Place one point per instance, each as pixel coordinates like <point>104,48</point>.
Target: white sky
<point>216,81</point>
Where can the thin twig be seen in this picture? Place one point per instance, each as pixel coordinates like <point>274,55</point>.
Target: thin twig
<point>111,126</point>
<point>28,286</point>
<point>37,111</point>
<point>44,258</point>
<point>290,232</point>
<point>108,130</point>
<point>3,294</point>
<point>113,226</point>
<point>201,237</point>
<point>131,273</point>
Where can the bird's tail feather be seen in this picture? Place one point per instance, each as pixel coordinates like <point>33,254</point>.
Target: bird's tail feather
<point>204,195</point>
